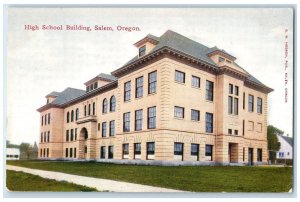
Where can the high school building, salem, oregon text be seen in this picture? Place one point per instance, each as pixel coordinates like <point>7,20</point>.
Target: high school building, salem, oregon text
<point>177,101</point>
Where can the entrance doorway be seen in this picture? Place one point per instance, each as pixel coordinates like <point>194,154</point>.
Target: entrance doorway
<point>250,156</point>
<point>233,153</point>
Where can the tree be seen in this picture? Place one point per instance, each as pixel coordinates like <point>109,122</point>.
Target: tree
<point>273,144</point>
<point>25,150</point>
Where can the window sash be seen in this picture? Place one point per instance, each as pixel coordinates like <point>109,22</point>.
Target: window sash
<point>112,103</point>
<point>150,148</point>
<point>236,106</point>
<point>138,120</point>
<point>209,123</point>
<point>179,112</point>
<point>104,106</point>
<point>111,128</point>
<point>137,148</point>
<point>195,115</point>
<point>178,148</point>
<point>179,76</point>
<point>151,117</point>
<point>103,152</point>
<point>126,122</point>
<point>230,105</point>
<point>142,51</point>
<point>111,152</point>
<point>127,91</point>
<point>196,81</point>
<point>125,149</point>
<point>209,90</point>
<point>152,79</point>
<point>259,105</point>
<point>139,87</point>
<point>208,150</point>
<point>103,129</point>
<point>194,149</point>
<point>251,103</point>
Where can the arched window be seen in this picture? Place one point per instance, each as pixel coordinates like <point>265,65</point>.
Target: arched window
<point>68,117</point>
<point>77,114</point>
<point>104,106</point>
<point>113,103</point>
<point>72,115</point>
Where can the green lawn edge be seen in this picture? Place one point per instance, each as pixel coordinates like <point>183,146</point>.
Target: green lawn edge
<point>188,178</point>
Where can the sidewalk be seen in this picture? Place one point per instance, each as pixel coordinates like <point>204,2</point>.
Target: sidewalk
<point>99,184</point>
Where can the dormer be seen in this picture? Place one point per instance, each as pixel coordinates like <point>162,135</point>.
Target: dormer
<point>146,45</point>
<point>99,81</point>
<point>51,96</point>
<point>220,57</point>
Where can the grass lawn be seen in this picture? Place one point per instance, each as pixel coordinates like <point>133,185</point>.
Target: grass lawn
<point>189,178</point>
<point>19,181</point>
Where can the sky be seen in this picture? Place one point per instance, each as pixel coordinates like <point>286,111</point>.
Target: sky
<point>39,62</point>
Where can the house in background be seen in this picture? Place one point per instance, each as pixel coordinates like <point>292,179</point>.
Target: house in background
<point>12,154</point>
<point>286,149</point>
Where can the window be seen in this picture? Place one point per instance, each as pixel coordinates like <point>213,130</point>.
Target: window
<point>48,136</point>
<point>71,152</point>
<point>110,152</point>
<point>67,153</point>
<point>68,117</point>
<point>259,105</point>
<point>104,129</point>
<point>236,90</point>
<point>42,120</point>
<point>142,51</point>
<point>236,106</point>
<point>195,115</point>
<point>84,110</point>
<point>85,149</point>
<point>179,112</point>
<point>86,135</point>
<point>48,118</point>
<point>221,59</point>
<point>178,148</point>
<point>126,122</point>
<point>89,110</point>
<point>209,91</point>
<point>243,153</point>
<point>236,132</point>
<point>151,117</point>
<point>112,103</point>
<point>74,152</point>
<point>45,119</point>
<point>102,152</point>
<point>209,152</point>
<point>195,150</point>
<point>112,128</point>
<point>72,134</point>
<point>250,103</point>
<point>152,82</point>
<point>209,122</point>
<point>243,127</point>
<point>150,148</point>
<point>77,114</point>
<point>75,133</point>
<point>259,155</point>
<point>230,89</point>
<point>41,137</point>
<point>127,90</point>
<point>72,116</point>
<point>138,119</point>
<point>195,81</point>
<point>125,150</point>
<point>244,100</point>
<point>139,87</point>
<point>87,89</point>
<point>179,76</point>
<point>67,135</point>
<point>98,126</point>
<point>104,106</point>
<point>45,138</point>
<point>230,131</point>
<point>44,152</point>
<point>229,104</point>
<point>137,149</point>
<point>95,85</point>
<point>94,108</point>
<point>41,153</point>
<point>91,87</point>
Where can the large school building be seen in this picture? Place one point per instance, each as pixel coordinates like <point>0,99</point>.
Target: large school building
<point>177,101</point>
